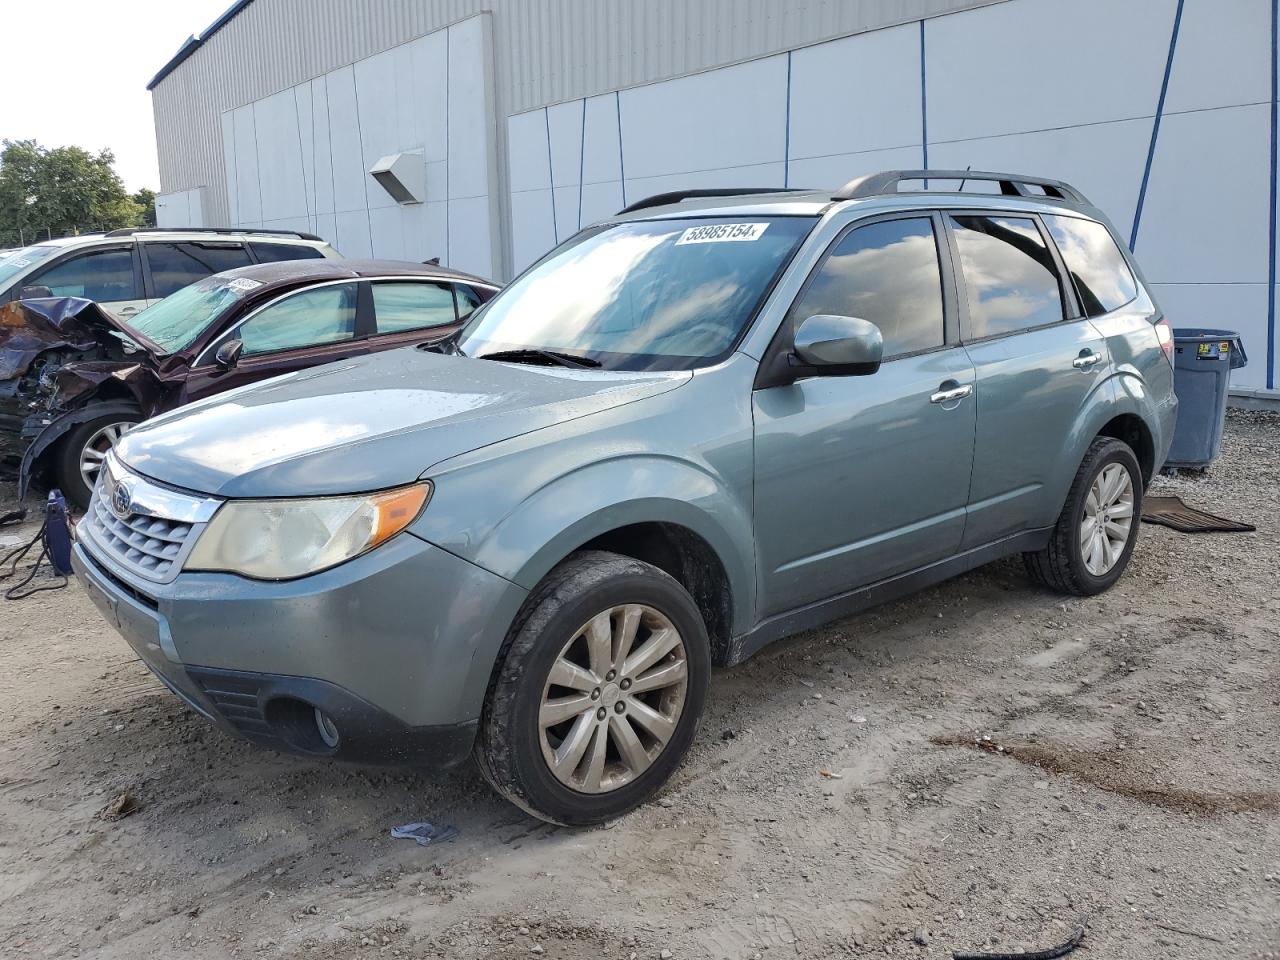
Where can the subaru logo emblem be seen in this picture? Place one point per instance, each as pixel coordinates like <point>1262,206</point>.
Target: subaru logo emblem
<point>121,501</point>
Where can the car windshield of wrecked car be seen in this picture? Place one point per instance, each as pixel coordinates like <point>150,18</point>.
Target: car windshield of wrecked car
<point>644,295</point>
<point>16,261</point>
<point>175,322</point>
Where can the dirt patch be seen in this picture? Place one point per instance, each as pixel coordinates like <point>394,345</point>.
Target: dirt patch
<point>1111,771</point>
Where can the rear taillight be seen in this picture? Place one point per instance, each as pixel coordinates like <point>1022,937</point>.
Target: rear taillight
<point>1164,333</point>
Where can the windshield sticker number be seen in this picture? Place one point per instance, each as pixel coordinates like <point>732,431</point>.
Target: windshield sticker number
<point>244,284</point>
<point>723,233</point>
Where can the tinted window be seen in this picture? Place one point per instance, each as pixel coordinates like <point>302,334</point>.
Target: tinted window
<point>312,317</point>
<point>276,252</point>
<point>1010,275</point>
<point>468,300</point>
<point>175,265</point>
<point>886,273</point>
<point>412,306</point>
<point>1097,267</point>
<point>102,275</point>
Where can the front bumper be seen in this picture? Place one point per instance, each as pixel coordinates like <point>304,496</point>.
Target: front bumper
<point>395,648</point>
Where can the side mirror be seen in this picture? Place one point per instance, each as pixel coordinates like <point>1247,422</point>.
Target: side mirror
<point>228,353</point>
<point>34,293</point>
<point>839,346</point>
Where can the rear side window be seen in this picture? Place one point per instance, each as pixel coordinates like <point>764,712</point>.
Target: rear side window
<point>102,275</point>
<point>1103,279</point>
<point>277,252</point>
<point>412,306</point>
<point>176,265</point>
<point>1011,277</point>
<point>468,300</point>
<point>886,273</point>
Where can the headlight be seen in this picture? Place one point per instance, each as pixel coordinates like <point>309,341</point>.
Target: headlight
<point>283,539</point>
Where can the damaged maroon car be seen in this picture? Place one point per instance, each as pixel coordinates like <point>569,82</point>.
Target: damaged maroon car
<point>74,378</point>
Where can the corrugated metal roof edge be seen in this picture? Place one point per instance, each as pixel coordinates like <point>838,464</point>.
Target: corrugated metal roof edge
<point>194,43</point>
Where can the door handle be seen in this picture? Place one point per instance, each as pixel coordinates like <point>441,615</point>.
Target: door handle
<point>954,393</point>
<point>1086,360</point>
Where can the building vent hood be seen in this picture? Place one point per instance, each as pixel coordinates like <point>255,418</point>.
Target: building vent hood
<point>403,176</point>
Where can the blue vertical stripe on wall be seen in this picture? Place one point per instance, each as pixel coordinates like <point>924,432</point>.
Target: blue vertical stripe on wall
<point>551,174</point>
<point>924,110</point>
<point>1271,265</point>
<point>582,158</point>
<point>786,139</point>
<point>622,166</point>
<point>1155,126</point>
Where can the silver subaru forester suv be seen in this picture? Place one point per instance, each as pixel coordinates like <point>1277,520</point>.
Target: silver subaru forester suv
<point>717,419</point>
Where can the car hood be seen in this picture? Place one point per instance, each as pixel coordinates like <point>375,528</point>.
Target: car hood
<point>366,424</point>
<point>28,328</point>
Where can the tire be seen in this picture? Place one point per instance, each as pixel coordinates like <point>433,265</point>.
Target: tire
<point>96,432</point>
<point>1068,563</point>
<point>514,750</point>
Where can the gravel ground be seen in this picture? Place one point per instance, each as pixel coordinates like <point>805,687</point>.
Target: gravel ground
<point>842,800</point>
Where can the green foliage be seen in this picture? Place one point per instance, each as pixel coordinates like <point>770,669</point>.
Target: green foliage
<point>63,191</point>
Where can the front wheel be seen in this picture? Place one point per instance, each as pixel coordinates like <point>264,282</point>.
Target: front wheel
<point>599,692</point>
<point>84,450</point>
<point>1098,527</point>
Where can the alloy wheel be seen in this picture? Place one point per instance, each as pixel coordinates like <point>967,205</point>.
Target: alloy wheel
<point>97,447</point>
<point>1108,519</point>
<point>613,698</point>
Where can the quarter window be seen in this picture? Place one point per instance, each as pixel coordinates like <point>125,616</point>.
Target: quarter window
<point>1097,267</point>
<point>412,306</point>
<point>310,318</point>
<point>886,273</point>
<point>102,275</point>
<point>176,265</point>
<point>1010,275</point>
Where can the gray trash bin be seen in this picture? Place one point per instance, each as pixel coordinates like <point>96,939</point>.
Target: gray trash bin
<point>1202,364</point>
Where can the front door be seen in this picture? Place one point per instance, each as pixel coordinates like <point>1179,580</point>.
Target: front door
<point>1035,368</point>
<point>300,330</point>
<point>859,478</point>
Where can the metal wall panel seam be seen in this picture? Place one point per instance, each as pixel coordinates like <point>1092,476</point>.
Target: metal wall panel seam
<point>924,107</point>
<point>1271,266</point>
<point>582,158</point>
<point>551,175</point>
<point>786,137</point>
<point>622,163</point>
<point>1155,127</point>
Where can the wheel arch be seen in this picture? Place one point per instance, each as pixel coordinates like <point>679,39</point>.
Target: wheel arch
<point>35,460</point>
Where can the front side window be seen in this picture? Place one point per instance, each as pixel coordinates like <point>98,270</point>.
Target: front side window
<point>175,265</point>
<point>310,318</point>
<point>886,273</point>
<point>409,305</point>
<point>1010,275</point>
<point>643,295</point>
<point>1097,267</point>
<point>102,275</point>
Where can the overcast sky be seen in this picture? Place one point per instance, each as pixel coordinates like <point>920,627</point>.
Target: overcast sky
<point>76,73</point>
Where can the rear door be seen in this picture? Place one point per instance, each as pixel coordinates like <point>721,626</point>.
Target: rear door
<point>108,275</point>
<point>168,265</point>
<point>1036,360</point>
<point>305,328</point>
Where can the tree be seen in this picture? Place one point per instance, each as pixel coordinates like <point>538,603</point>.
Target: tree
<point>146,199</point>
<point>61,191</point>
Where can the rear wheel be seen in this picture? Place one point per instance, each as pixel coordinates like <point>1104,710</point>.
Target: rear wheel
<point>84,450</point>
<point>1098,527</point>
<point>599,692</point>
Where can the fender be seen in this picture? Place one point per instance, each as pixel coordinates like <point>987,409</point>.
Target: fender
<point>56,429</point>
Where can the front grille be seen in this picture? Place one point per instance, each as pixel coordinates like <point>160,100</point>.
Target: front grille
<point>143,527</point>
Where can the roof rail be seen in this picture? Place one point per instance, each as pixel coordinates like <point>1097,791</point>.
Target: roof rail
<point>1011,184</point>
<point>675,196</point>
<point>130,231</point>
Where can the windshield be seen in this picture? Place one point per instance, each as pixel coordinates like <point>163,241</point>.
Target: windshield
<point>647,295</point>
<point>15,261</point>
<point>176,321</point>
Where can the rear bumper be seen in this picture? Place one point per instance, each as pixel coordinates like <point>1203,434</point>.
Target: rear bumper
<point>394,648</point>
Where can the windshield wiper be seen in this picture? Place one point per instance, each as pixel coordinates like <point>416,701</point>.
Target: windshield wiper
<point>533,355</point>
